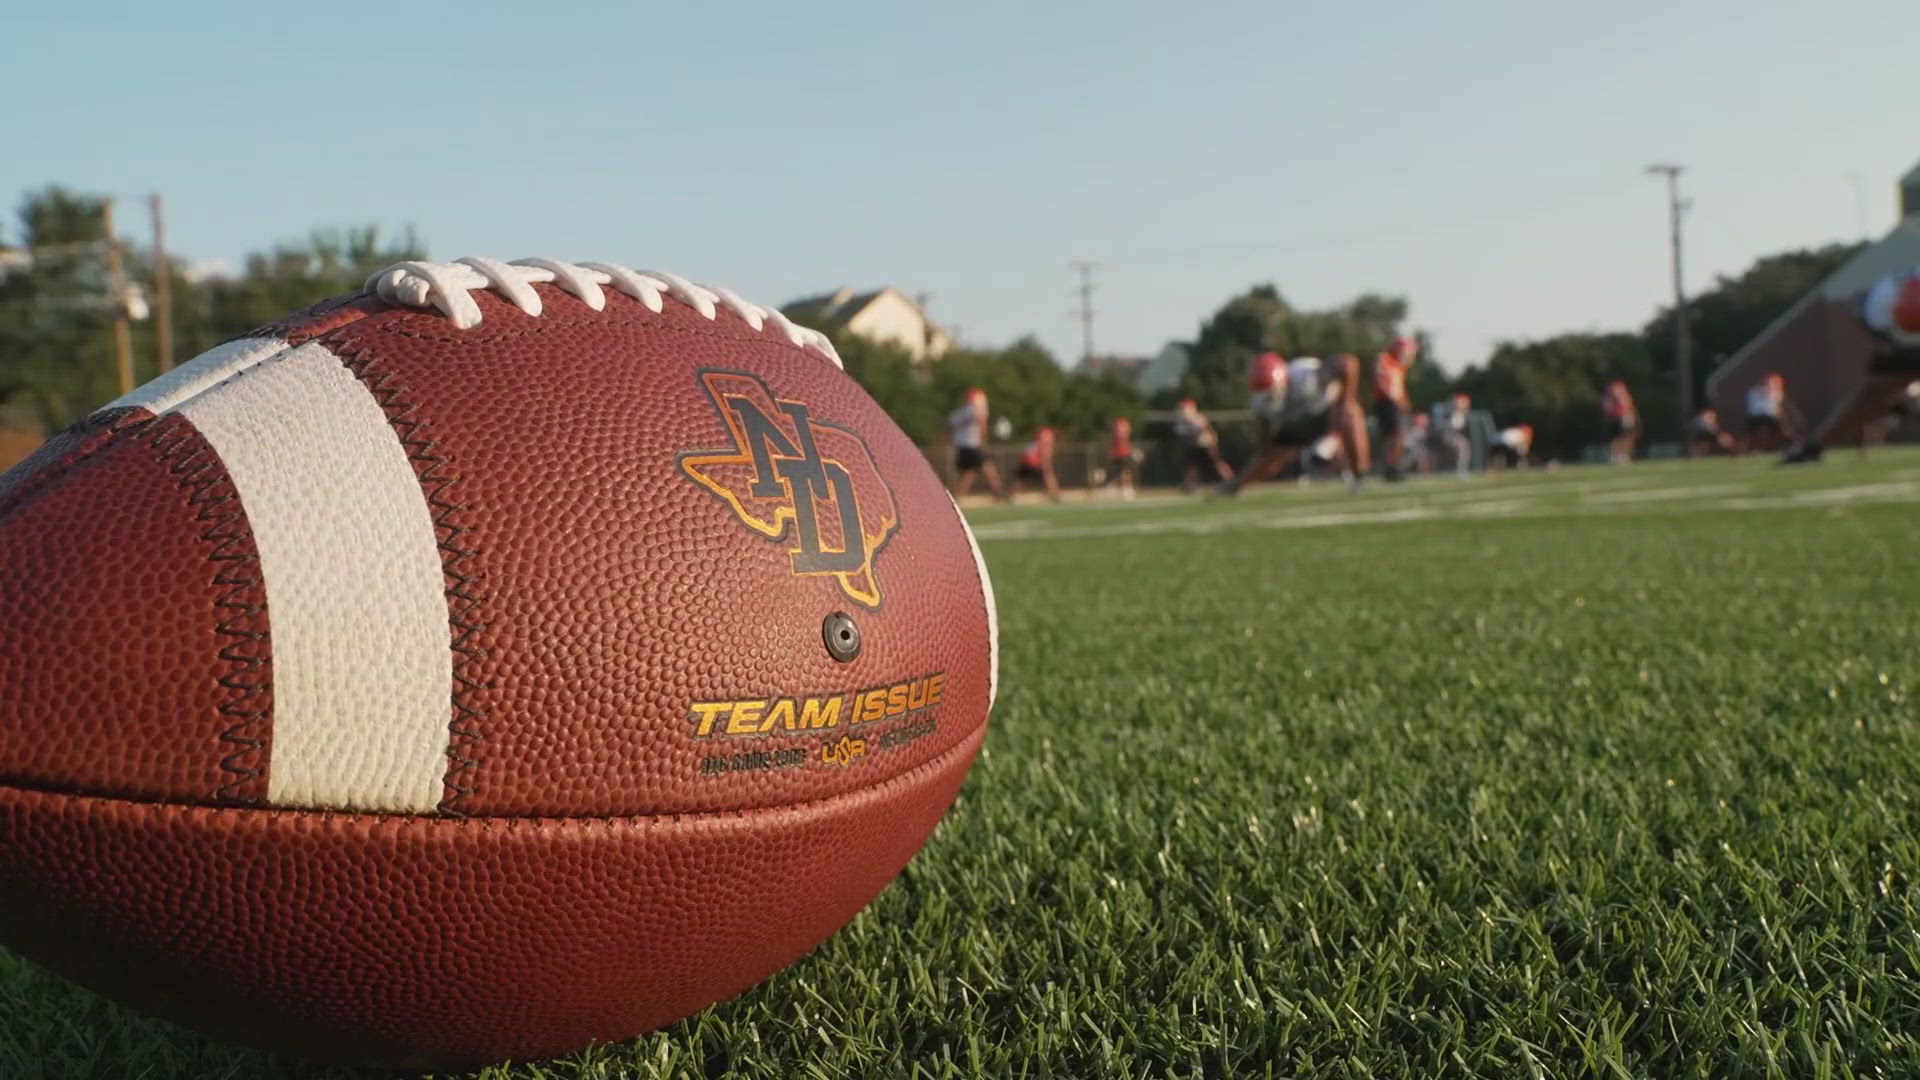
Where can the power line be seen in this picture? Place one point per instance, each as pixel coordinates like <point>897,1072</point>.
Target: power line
<point>162,287</point>
<point>1085,309</point>
<point>117,282</point>
<point>1682,337</point>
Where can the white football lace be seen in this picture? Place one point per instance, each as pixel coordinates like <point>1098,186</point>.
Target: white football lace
<point>446,286</point>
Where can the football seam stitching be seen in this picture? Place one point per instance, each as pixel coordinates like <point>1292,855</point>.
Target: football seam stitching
<point>463,601</point>
<point>546,320</point>
<point>974,742</point>
<point>313,322</point>
<point>217,506</point>
<point>104,439</point>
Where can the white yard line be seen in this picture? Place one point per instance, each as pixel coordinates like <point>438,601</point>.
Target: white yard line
<point>1891,492</point>
<point>1645,495</point>
<point>1285,512</point>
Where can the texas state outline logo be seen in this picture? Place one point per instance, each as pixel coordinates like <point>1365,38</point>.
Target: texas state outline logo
<point>797,480</point>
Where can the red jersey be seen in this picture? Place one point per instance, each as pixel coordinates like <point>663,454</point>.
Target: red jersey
<point>1120,442</point>
<point>1389,378</point>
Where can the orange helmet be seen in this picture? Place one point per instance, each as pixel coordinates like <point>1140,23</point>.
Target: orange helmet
<point>1045,435</point>
<point>1189,405</point>
<point>1268,370</point>
<point>975,394</point>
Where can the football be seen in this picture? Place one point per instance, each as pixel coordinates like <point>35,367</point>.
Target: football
<point>505,658</point>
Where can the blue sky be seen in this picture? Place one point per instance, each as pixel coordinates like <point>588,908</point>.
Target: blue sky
<point>1483,159</point>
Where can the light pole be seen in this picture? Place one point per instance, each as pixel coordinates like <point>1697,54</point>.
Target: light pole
<point>1682,337</point>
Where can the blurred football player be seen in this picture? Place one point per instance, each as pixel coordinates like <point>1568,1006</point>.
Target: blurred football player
<point>968,426</point>
<point>1623,421</point>
<point>1296,405</point>
<point>1705,435</point>
<point>1323,457</point>
<point>1200,444</point>
<point>1771,418</point>
<point>1036,466</point>
<point>1390,404</point>
<point>1121,456</point>
<point>1511,449</point>
<point>1905,407</point>
<point>1455,433</point>
<point>1420,442</point>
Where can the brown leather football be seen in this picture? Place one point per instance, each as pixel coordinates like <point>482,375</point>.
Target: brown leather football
<point>509,657</point>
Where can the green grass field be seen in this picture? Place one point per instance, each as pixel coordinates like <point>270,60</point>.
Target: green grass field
<point>1613,772</point>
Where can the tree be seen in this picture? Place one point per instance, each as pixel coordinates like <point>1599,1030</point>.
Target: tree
<point>886,371</point>
<point>1026,385</point>
<point>1737,309</point>
<point>56,359</point>
<point>1555,385</point>
<point>1261,319</point>
<point>287,278</point>
<point>56,356</point>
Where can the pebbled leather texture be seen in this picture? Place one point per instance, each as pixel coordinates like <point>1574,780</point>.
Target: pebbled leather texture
<point>126,597</point>
<point>579,417</point>
<point>437,942</point>
<point>595,866</point>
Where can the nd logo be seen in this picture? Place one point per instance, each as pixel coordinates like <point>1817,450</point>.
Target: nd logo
<point>797,480</point>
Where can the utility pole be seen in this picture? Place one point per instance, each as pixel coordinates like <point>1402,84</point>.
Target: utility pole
<point>1085,310</point>
<point>162,287</point>
<point>117,282</point>
<point>1682,335</point>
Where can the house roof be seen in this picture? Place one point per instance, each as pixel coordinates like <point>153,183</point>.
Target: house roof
<point>838,307</point>
<point>1898,250</point>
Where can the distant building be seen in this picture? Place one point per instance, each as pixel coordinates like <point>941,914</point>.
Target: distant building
<point>882,315</point>
<point>1147,374</point>
<point>1164,371</point>
<point>1124,368</point>
<point>1819,346</point>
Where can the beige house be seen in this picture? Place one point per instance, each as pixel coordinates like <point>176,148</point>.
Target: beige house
<point>882,315</point>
